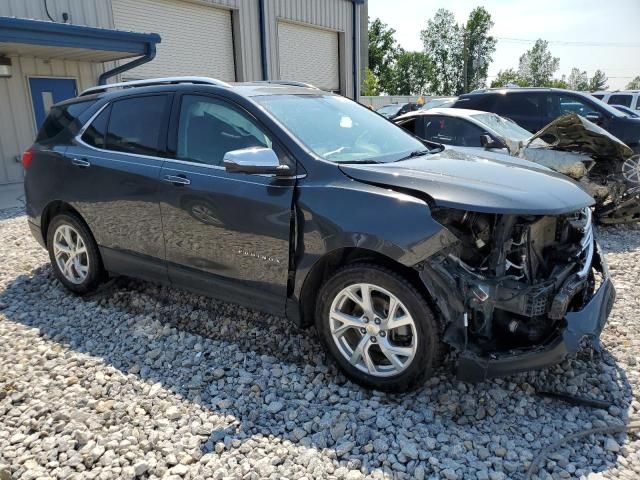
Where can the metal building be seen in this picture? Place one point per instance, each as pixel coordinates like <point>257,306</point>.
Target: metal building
<point>51,49</point>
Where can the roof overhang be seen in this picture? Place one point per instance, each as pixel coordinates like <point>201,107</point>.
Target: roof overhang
<point>49,40</point>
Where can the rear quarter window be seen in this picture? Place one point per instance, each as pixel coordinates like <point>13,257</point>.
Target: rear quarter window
<point>61,119</point>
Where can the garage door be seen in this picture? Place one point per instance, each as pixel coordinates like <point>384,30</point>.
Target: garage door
<point>196,39</point>
<point>309,55</point>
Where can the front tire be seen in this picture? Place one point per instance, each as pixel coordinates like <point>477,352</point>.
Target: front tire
<point>378,327</point>
<point>74,254</point>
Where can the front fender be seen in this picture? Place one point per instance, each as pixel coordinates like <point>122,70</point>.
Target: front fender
<point>358,215</point>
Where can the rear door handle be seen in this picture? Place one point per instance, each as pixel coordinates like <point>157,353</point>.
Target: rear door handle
<point>177,179</point>
<point>80,162</point>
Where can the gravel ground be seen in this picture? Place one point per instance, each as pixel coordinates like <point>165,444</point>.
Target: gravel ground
<point>149,381</point>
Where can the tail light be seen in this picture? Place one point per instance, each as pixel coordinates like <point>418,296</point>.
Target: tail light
<point>27,157</point>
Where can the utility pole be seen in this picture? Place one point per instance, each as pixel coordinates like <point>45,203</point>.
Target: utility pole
<point>465,60</point>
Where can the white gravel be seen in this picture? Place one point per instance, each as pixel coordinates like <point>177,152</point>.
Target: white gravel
<point>150,382</point>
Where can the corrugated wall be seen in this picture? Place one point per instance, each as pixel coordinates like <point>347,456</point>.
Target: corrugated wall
<point>93,13</point>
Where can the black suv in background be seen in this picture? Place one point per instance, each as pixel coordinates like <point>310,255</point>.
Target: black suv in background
<point>533,108</point>
<point>308,205</point>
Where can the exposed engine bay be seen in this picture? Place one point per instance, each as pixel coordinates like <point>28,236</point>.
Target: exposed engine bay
<point>509,280</point>
<point>603,165</point>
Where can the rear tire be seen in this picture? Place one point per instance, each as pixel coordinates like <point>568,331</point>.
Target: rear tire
<point>74,254</point>
<point>388,343</point>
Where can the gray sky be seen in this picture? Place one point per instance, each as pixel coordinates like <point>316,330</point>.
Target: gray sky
<point>597,25</point>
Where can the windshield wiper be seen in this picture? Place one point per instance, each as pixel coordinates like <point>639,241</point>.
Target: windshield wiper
<point>417,153</point>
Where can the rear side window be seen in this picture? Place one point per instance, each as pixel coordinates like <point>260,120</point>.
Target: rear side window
<point>95,134</point>
<point>599,96</point>
<point>620,100</point>
<point>60,119</point>
<point>135,124</point>
<point>527,105</point>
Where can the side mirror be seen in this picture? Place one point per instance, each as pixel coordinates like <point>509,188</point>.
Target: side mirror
<point>595,117</point>
<point>487,141</point>
<point>254,161</point>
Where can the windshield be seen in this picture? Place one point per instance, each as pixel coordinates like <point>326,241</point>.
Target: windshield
<point>394,108</point>
<point>340,130</point>
<point>502,126</point>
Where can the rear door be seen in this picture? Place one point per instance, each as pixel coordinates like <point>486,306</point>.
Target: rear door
<point>114,180</point>
<point>227,234</point>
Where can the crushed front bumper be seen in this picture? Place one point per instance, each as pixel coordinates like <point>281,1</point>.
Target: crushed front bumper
<point>586,323</point>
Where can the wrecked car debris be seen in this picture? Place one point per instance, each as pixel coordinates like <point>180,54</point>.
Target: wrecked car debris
<point>516,287</point>
<point>603,165</point>
<point>610,174</point>
<point>517,277</point>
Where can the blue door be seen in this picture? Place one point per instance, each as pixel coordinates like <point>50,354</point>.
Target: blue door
<point>48,91</point>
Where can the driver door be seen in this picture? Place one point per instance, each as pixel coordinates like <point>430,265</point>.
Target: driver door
<point>226,234</point>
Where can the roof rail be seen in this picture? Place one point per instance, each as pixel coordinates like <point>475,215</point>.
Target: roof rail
<point>291,83</point>
<point>155,81</point>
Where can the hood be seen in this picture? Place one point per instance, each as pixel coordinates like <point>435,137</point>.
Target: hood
<point>455,179</point>
<point>577,134</point>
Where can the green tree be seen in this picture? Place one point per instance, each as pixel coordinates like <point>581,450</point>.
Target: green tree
<point>479,47</point>
<point>537,65</point>
<point>508,77</point>
<point>370,84</point>
<point>412,73</point>
<point>578,80</point>
<point>383,51</point>
<point>443,44</point>
<point>598,81</point>
<point>559,83</point>
<point>634,84</point>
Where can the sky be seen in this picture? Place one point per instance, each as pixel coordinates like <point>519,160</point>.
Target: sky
<point>607,33</point>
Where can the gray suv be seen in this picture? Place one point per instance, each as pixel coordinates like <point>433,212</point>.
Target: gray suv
<point>310,206</point>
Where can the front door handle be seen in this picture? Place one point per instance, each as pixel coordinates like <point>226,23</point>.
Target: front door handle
<point>177,179</point>
<point>80,162</point>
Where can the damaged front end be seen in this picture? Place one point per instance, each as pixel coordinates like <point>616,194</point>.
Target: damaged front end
<point>602,164</point>
<point>517,292</point>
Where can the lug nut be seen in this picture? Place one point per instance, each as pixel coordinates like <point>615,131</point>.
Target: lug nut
<point>377,321</point>
<point>373,340</point>
<point>363,330</point>
<point>366,320</point>
<point>383,334</point>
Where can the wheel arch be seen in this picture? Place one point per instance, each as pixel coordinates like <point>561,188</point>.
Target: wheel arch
<point>53,209</point>
<point>332,261</point>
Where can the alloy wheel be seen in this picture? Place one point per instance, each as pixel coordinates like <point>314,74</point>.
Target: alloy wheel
<point>631,169</point>
<point>71,254</point>
<point>373,329</point>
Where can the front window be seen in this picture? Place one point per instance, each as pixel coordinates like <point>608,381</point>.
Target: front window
<point>502,126</point>
<point>340,130</point>
<point>587,103</point>
<point>209,128</point>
